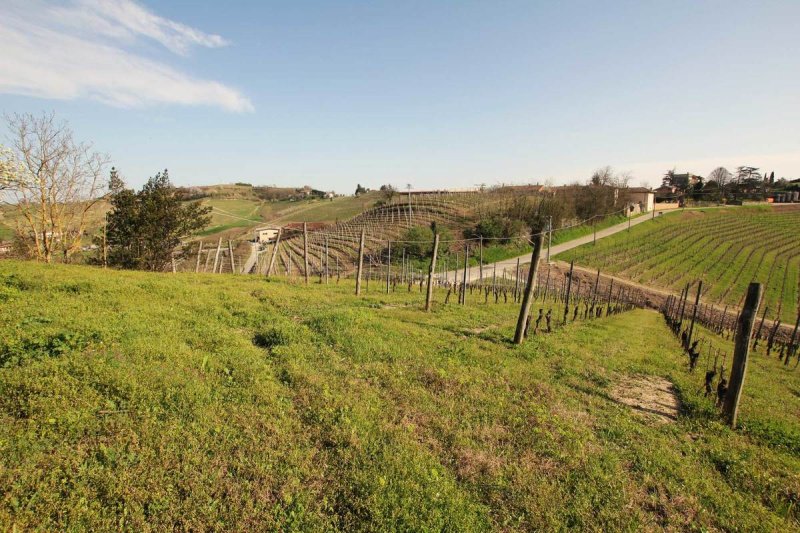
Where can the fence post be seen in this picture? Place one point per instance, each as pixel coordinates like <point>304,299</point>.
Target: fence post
<point>431,270</point>
<point>569,289</point>
<point>684,295</point>
<point>480,260</point>
<point>527,300</point>
<point>274,252</point>
<point>389,264</point>
<point>199,252</point>
<point>216,257</point>
<point>230,251</point>
<point>327,262</point>
<point>516,282</point>
<point>464,278</point>
<point>694,314</point>
<point>741,351</point>
<point>360,262</point>
<point>305,250</point>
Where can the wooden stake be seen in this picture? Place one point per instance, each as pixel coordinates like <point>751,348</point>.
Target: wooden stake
<point>230,251</point>
<point>274,252</point>
<point>431,270</point>
<point>569,289</point>
<point>305,250</point>
<point>199,252</point>
<point>527,300</point>
<point>216,257</point>
<point>360,262</point>
<point>694,314</point>
<point>389,263</point>
<point>464,278</point>
<point>744,329</point>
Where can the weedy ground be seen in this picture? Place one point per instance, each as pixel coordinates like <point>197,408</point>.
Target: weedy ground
<point>145,401</point>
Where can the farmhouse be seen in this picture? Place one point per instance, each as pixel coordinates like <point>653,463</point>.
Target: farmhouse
<point>641,198</point>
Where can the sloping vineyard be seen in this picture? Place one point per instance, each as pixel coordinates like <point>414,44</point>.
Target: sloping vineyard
<point>336,245</point>
<point>725,248</point>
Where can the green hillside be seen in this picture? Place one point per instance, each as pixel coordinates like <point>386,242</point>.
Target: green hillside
<point>194,402</point>
<point>725,248</point>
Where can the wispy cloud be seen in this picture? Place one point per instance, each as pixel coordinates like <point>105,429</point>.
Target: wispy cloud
<point>88,49</point>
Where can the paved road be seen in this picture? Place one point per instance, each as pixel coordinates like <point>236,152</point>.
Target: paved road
<point>473,273</point>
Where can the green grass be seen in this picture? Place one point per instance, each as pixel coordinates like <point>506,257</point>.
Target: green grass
<point>725,248</point>
<point>158,401</point>
<point>6,232</point>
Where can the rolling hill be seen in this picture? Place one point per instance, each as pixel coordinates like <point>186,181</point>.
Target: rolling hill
<point>137,400</point>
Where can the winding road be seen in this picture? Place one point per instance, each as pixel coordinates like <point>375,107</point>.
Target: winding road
<point>473,273</point>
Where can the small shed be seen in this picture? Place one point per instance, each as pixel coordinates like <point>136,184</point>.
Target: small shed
<point>266,235</point>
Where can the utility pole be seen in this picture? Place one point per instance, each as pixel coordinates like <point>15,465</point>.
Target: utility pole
<point>549,237</point>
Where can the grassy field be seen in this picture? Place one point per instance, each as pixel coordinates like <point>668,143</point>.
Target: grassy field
<point>726,248</point>
<point>158,401</point>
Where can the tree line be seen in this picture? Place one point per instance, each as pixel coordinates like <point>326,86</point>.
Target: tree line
<point>57,187</point>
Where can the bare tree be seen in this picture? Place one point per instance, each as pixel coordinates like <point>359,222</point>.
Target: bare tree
<point>602,176</point>
<point>722,177</point>
<point>57,183</point>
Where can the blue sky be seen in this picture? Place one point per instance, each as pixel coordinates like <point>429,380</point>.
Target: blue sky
<point>449,94</point>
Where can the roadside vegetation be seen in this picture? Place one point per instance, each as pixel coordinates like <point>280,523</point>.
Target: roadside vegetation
<point>132,400</point>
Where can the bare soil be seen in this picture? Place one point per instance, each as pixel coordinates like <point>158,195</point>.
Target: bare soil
<point>652,396</point>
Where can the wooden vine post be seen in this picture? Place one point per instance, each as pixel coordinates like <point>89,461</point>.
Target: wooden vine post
<point>431,271</point>
<point>305,250</point>
<point>694,314</point>
<point>199,253</point>
<point>744,329</point>
<point>230,253</point>
<point>216,256</point>
<point>464,277</point>
<point>480,260</point>
<point>568,290</point>
<point>527,297</point>
<point>389,264</point>
<point>360,262</point>
<point>274,252</point>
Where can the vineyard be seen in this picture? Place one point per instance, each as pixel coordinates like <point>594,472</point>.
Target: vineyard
<point>333,247</point>
<point>725,248</point>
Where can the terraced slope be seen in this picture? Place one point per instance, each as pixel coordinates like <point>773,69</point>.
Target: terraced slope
<point>382,223</point>
<point>726,248</point>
